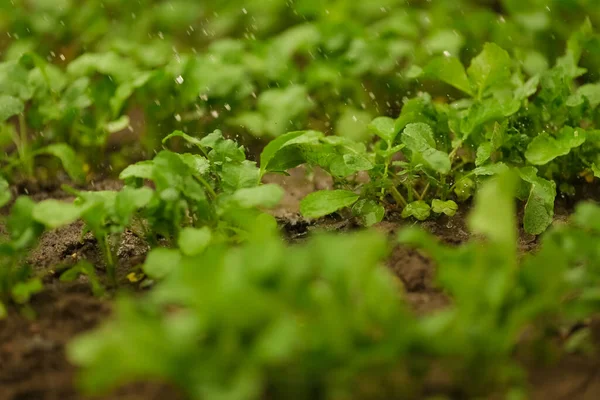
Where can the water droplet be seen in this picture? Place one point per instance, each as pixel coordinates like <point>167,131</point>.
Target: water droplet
<point>447,53</point>
<point>178,117</point>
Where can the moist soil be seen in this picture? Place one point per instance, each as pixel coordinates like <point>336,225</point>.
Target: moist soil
<point>33,365</point>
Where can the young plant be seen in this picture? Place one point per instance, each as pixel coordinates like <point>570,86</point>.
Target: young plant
<point>16,283</point>
<point>217,188</point>
<point>106,214</point>
<point>30,80</point>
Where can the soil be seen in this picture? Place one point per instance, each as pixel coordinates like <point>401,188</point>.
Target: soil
<point>33,365</point>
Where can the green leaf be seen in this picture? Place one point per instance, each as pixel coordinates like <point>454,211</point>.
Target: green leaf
<point>160,262</point>
<point>324,202</point>
<point>499,226</point>
<point>67,156</point>
<point>236,176</point>
<point>5,195</point>
<point>274,156</point>
<point>385,128</point>
<point>10,106</point>
<point>369,211</point>
<point>193,241</point>
<point>190,139</point>
<point>142,170</point>
<point>539,209</point>
<point>418,137</point>
<point>490,69</point>
<point>464,188</point>
<point>448,207</point>
<point>417,209</point>
<point>268,195</point>
<point>22,291</point>
<point>545,148</point>
<point>118,124</point>
<point>451,71</point>
<point>596,170</point>
<point>54,213</point>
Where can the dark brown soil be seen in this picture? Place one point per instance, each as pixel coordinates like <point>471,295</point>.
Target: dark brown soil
<point>32,360</point>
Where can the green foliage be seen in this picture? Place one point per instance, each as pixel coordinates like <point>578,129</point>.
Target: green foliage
<point>16,281</point>
<point>302,327</point>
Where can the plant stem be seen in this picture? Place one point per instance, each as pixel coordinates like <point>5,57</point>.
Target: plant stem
<point>110,264</point>
<point>422,196</point>
<point>397,196</point>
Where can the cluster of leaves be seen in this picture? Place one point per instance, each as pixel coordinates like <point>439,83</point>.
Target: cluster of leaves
<point>435,153</point>
<point>195,199</point>
<point>268,69</point>
<point>324,317</point>
<point>193,196</point>
<point>16,283</point>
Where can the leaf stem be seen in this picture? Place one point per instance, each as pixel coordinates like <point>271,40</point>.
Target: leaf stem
<point>398,196</point>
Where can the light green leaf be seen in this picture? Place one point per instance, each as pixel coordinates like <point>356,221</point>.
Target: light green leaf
<point>5,195</point>
<point>142,170</point>
<point>451,71</point>
<point>545,148</point>
<point>22,291</point>
<point>384,127</point>
<point>54,213</point>
<point>369,211</point>
<point>490,69</point>
<point>160,262</point>
<point>118,124</point>
<point>418,209</point>
<point>10,106</point>
<point>418,137</point>
<point>539,209</point>
<point>448,207</point>
<point>236,176</point>
<point>274,156</point>
<point>268,195</point>
<point>325,202</point>
<point>193,241</point>
<point>595,170</point>
<point>499,226</point>
<point>67,156</point>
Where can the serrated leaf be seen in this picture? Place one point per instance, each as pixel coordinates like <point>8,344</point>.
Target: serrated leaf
<point>193,241</point>
<point>418,209</point>
<point>324,202</point>
<point>447,207</point>
<point>418,137</point>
